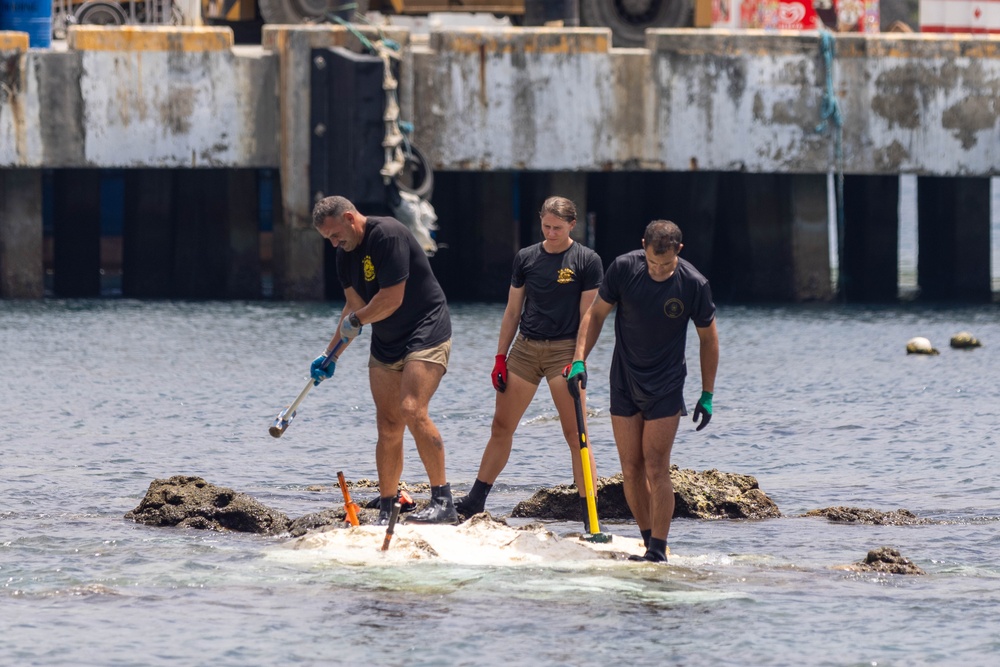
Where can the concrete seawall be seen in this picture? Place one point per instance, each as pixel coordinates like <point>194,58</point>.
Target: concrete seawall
<point>693,112</point>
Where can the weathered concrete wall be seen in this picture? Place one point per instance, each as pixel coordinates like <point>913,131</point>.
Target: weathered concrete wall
<point>707,99</point>
<point>142,97</point>
<point>508,99</point>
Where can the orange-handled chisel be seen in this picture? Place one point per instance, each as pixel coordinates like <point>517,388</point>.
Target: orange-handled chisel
<point>350,507</point>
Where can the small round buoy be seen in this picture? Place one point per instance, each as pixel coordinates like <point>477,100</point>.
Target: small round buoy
<point>965,341</point>
<point>920,345</point>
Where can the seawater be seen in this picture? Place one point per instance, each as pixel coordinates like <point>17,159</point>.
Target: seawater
<point>820,403</point>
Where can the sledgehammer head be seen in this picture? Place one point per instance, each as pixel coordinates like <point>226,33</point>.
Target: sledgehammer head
<point>597,538</point>
<point>281,423</point>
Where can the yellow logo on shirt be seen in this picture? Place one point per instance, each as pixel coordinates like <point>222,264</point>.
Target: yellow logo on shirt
<point>565,276</point>
<point>673,308</point>
<point>369,268</point>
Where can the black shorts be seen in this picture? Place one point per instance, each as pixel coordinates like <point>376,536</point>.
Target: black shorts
<point>625,403</point>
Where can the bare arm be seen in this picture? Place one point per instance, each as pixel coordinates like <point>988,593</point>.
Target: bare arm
<point>591,323</point>
<point>709,356</point>
<point>382,305</point>
<point>385,302</point>
<point>586,300</point>
<point>511,317</point>
<point>353,303</point>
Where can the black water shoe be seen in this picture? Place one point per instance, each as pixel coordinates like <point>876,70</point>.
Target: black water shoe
<point>650,556</point>
<point>384,510</point>
<point>438,510</point>
<point>656,552</point>
<point>467,507</point>
<point>441,508</point>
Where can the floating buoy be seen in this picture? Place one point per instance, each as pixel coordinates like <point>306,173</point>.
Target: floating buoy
<point>965,341</point>
<point>920,345</point>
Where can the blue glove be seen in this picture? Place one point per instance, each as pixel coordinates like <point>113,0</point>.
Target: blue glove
<point>704,409</point>
<point>576,377</point>
<point>350,327</point>
<point>318,372</point>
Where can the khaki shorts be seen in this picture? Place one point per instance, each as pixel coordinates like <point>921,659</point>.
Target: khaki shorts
<point>535,359</point>
<point>439,354</point>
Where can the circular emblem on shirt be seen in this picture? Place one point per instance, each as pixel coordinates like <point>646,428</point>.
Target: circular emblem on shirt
<point>673,308</point>
<point>565,276</point>
<point>369,268</point>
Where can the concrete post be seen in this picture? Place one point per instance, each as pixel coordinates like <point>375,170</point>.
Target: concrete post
<point>201,251</point>
<point>243,228</point>
<point>76,217</point>
<point>496,222</point>
<point>870,256</point>
<point>789,256</point>
<point>148,238</point>
<point>477,234</point>
<point>21,269</point>
<point>953,234</point>
<point>690,199</point>
<point>769,265</point>
<point>810,238</point>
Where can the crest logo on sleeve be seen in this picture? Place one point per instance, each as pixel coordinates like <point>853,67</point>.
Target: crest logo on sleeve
<point>673,308</point>
<point>565,276</point>
<point>369,268</point>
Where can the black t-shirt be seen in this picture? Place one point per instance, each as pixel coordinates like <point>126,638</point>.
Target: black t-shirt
<point>553,283</point>
<point>389,254</point>
<point>651,323</point>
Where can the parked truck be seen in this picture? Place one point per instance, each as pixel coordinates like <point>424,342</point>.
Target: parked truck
<point>628,19</point>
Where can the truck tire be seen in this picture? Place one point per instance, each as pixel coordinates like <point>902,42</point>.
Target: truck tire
<point>300,11</point>
<point>97,12</point>
<point>417,176</point>
<point>628,19</point>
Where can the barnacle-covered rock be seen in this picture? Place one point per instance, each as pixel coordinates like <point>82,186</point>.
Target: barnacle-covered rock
<point>884,560</point>
<point>964,341</point>
<point>920,345</point>
<point>709,494</point>
<point>191,502</point>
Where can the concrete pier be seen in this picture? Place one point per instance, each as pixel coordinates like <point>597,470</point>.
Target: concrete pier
<point>714,129</point>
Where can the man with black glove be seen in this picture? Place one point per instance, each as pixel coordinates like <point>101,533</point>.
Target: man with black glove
<point>657,293</point>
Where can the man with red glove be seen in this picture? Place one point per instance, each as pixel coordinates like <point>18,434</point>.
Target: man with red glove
<point>552,285</point>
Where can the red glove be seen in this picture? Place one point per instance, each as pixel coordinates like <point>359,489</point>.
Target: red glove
<point>500,373</point>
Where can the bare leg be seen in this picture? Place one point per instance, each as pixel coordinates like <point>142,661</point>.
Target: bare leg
<point>385,387</point>
<point>567,417</point>
<point>420,379</point>
<point>629,437</point>
<point>657,442</point>
<point>510,407</point>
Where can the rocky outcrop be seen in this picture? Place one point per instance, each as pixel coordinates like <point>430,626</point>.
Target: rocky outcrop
<point>884,560</point>
<point>870,517</point>
<point>920,345</point>
<point>963,340</point>
<point>699,495</point>
<point>335,517</point>
<point>194,503</point>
